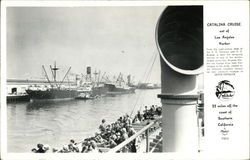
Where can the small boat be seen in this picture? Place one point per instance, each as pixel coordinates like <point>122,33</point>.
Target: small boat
<point>18,97</point>
<point>85,96</point>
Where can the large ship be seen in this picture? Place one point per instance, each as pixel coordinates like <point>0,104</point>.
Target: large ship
<point>121,87</point>
<point>102,85</point>
<point>112,89</point>
<point>54,90</point>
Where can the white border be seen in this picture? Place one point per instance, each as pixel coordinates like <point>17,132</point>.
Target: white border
<point>95,3</point>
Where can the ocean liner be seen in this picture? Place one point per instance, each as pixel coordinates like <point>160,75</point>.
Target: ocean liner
<point>54,91</point>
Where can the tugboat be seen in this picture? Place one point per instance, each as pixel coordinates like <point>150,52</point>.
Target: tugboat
<point>85,91</point>
<point>53,91</point>
<point>85,96</point>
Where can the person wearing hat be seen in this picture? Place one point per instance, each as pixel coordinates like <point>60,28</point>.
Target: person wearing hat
<point>73,146</point>
<point>40,148</point>
<point>72,142</point>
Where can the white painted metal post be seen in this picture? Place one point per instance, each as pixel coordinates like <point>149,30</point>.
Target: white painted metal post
<point>179,38</point>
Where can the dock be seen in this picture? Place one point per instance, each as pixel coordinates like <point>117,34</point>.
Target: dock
<point>17,98</point>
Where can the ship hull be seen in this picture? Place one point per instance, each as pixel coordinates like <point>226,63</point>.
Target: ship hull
<point>110,89</point>
<point>123,90</point>
<point>119,93</point>
<point>102,90</point>
<point>53,94</point>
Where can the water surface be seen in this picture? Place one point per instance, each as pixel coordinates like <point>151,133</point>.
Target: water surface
<point>55,123</point>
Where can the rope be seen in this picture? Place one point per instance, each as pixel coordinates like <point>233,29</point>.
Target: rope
<point>150,71</point>
<point>146,80</point>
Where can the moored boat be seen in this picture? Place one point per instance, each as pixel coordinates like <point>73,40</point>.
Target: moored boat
<point>120,90</point>
<point>53,91</point>
<point>104,86</point>
<point>51,94</point>
<point>17,97</point>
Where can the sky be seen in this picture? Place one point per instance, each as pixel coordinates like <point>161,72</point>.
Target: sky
<point>109,39</point>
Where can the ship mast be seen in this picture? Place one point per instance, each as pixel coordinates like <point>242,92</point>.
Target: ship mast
<point>46,75</point>
<point>119,79</point>
<point>95,73</point>
<point>98,78</point>
<point>54,71</point>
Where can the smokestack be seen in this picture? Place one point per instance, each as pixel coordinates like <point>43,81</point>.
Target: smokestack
<point>88,70</point>
<point>179,38</point>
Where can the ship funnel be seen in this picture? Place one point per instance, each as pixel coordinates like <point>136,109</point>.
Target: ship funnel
<point>88,70</point>
<point>179,38</point>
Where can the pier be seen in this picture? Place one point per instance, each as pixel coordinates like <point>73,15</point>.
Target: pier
<point>16,88</point>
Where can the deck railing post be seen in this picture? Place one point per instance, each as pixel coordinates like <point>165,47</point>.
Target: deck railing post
<point>147,140</point>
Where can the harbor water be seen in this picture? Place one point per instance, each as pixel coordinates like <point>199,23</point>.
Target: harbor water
<point>55,123</point>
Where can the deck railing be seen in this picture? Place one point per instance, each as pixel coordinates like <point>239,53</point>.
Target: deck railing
<point>144,131</point>
<point>155,145</point>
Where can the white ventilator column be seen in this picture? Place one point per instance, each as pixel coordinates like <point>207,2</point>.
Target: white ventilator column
<point>179,37</point>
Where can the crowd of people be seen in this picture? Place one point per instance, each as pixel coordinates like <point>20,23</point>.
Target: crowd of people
<point>109,135</point>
